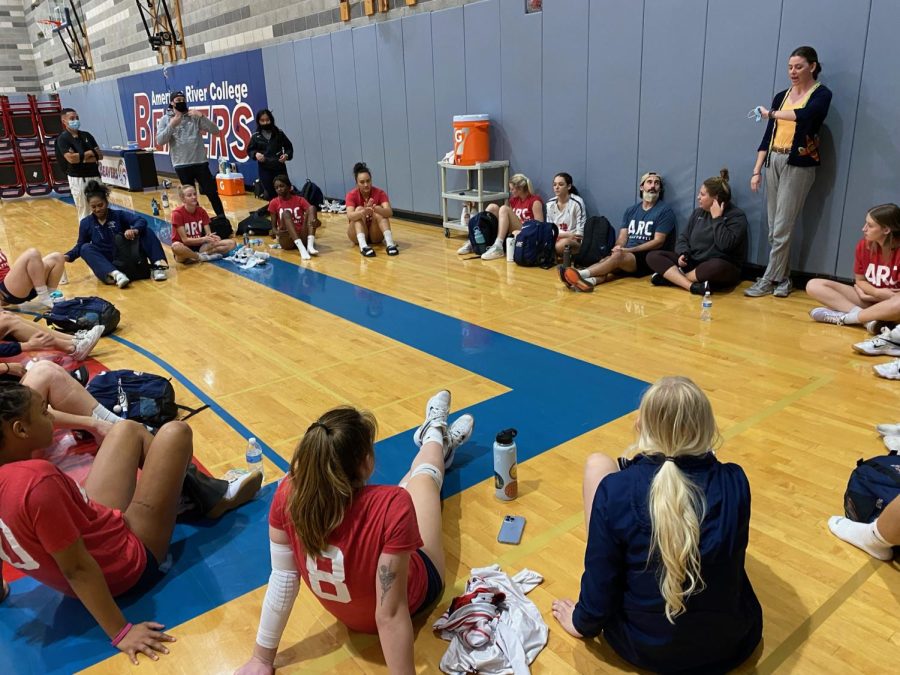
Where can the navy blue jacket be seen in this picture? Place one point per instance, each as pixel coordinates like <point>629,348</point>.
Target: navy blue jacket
<point>805,146</point>
<point>90,231</point>
<point>620,590</point>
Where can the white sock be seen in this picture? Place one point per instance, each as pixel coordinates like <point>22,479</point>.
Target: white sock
<point>584,273</point>
<point>41,290</point>
<point>433,433</point>
<point>862,535</point>
<point>388,238</point>
<point>311,243</point>
<point>300,247</point>
<point>498,243</point>
<point>361,238</point>
<point>103,413</point>
<point>852,317</point>
<point>591,280</point>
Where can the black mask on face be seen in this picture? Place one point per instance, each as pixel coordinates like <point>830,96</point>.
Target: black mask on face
<point>180,106</point>
<point>266,127</point>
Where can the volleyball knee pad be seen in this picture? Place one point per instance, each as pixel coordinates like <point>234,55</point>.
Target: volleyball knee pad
<point>429,470</point>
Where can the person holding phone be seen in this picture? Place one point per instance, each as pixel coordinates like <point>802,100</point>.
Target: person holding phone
<point>372,555</point>
<point>182,129</point>
<point>711,248</point>
<point>272,149</point>
<point>667,531</point>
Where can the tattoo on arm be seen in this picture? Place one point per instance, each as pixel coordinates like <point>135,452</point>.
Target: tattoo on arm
<point>386,576</point>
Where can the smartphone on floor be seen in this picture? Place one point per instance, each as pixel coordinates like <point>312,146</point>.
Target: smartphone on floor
<point>511,530</point>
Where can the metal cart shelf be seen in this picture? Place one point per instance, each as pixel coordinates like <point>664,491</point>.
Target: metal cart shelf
<point>472,193</point>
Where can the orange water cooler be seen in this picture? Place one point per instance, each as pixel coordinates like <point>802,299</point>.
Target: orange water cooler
<point>471,139</point>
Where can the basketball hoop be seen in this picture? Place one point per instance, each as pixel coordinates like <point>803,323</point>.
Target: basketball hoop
<point>52,23</point>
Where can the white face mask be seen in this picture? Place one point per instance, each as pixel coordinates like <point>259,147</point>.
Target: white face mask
<point>74,125</point>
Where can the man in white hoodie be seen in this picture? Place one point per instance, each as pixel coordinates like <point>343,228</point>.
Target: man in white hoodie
<point>183,130</point>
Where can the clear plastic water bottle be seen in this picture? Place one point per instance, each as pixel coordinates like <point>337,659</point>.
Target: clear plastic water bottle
<point>706,307</point>
<point>506,483</point>
<point>254,456</point>
<point>567,255</point>
<point>510,249</point>
<point>479,236</point>
<point>165,200</point>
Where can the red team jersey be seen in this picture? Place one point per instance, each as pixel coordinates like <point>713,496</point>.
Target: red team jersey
<point>194,224</point>
<point>354,198</point>
<point>4,266</point>
<point>381,519</point>
<point>43,511</point>
<point>524,208</point>
<point>295,205</point>
<point>873,267</point>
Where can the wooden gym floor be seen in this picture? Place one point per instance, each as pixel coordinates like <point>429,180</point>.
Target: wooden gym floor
<point>795,405</point>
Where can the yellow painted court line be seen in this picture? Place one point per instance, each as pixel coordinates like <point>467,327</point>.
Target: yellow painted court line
<point>823,612</point>
<point>777,407</point>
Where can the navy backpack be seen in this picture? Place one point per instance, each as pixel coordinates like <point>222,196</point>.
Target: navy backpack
<point>873,484</point>
<point>142,397</point>
<point>482,231</point>
<point>536,244</point>
<point>71,316</point>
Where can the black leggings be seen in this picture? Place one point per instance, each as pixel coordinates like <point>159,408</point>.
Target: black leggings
<point>190,173</point>
<point>718,272</point>
<point>267,178</point>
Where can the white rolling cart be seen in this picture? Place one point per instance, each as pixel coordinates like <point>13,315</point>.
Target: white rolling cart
<point>476,192</point>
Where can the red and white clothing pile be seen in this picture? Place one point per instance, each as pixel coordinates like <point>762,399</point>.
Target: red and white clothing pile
<point>492,627</point>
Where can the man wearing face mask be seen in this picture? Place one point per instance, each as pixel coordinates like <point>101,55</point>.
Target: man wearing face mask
<point>645,226</point>
<point>182,129</point>
<point>79,156</point>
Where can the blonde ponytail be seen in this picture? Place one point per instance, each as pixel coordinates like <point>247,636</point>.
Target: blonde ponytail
<point>327,469</point>
<point>520,180</point>
<point>676,420</point>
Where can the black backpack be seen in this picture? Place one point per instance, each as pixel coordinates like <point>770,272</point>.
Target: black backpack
<point>536,244</point>
<point>142,397</point>
<point>873,484</point>
<point>77,314</point>
<point>482,231</point>
<point>130,258</point>
<point>312,193</point>
<point>221,226</point>
<point>254,224</point>
<point>597,242</point>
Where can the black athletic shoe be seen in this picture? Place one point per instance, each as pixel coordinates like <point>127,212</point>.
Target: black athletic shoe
<point>700,288</point>
<point>658,279</point>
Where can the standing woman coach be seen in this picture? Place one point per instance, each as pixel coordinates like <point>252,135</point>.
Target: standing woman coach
<point>790,152</point>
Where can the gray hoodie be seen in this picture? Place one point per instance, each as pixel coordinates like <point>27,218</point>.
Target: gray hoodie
<point>186,145</point>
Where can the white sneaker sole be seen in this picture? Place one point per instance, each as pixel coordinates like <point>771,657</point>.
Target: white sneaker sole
<point>881,350</point>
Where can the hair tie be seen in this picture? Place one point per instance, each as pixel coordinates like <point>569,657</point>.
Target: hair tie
<point>670,459</point>
<point>318,424</point>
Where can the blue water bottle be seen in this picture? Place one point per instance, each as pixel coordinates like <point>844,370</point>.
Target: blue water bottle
<point>254,456</point>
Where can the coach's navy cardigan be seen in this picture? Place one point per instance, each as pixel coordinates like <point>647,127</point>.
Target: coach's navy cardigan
<point>620,591</point>
<point>805,146</point>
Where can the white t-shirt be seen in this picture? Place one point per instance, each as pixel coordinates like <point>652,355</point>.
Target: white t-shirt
<point>569,218</point>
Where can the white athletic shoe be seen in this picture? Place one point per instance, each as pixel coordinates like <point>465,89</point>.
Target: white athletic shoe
<point>209,257</point>
<point>825,315</point>
<point>892,443</point>
<point>85,341</point>
<point>460,432</point>
<point>886,344</point>
<point>160,274</point>
<point>888,429</point>
<point>436,411</point>
<point>494,252</point>
<point>889,371</point>
<point>465,249</point>
<point>119,279</point>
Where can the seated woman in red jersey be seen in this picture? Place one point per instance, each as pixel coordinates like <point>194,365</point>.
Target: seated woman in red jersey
<point>101,540</point>
<point>293,219</point>
<point>30,278</point>
<point>873,297</point>
<point>369,213</point>
<point>523,205</point>
<point>192,240</point>
<point>371,554</point>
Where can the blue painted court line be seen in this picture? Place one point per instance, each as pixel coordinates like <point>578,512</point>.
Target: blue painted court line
<point>546,404</point>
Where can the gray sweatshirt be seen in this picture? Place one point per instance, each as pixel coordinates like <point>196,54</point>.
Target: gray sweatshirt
<point>186,145</point>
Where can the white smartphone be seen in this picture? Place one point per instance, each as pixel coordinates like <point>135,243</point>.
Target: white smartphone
<point>511,530</point>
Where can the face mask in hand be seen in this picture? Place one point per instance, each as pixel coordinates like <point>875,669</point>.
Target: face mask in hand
<point>74,125</point>
<point>181,106</point>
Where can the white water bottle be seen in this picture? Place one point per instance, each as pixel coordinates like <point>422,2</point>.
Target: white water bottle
<point>254,456</point>
<point>510,249</point>
<point>464,217</point>
<point>706,307</point>
<point>506,483</point>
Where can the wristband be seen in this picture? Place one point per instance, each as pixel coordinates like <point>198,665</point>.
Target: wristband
<point>757,174</point>
<point>121,635</point>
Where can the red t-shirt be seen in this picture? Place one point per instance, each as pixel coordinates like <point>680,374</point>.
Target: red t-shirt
<point>43,511</point>
<point>381,518</point>
<point>295,205</point>
<point>4,266</point>
<point>524,208</point>
<point>354,198</point>
<point>194,224</point>
<point>872,266</point>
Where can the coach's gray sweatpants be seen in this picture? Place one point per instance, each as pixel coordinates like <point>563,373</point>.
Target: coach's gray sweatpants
<point>786,190</point>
